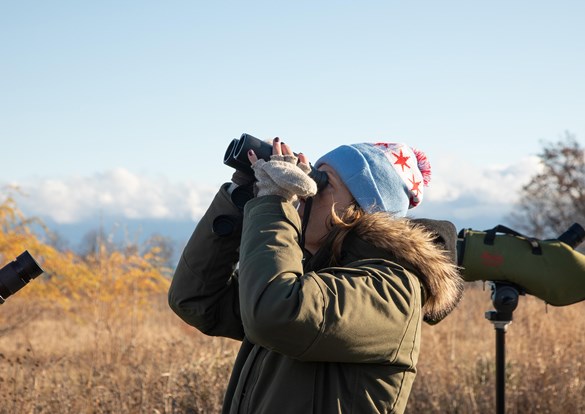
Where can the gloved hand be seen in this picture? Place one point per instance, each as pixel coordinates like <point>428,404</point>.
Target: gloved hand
<point>282,175</point>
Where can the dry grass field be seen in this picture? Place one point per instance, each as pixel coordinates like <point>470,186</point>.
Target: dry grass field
<point>150,362</point>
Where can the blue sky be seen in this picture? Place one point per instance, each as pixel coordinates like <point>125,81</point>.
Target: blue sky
<point>96,93</point>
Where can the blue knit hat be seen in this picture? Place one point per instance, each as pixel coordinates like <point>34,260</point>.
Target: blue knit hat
<point>381,176</point>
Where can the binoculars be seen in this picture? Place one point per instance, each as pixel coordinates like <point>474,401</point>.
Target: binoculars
<point>15,275</point>
<point>236,156</point>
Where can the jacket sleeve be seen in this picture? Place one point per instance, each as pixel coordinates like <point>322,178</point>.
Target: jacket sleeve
<point>204,289</point>
<point>359,314</point>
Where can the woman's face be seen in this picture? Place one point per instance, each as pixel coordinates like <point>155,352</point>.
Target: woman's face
<point>335,192</point>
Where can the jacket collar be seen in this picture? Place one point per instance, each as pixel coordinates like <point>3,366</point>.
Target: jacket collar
<point>421,248</point>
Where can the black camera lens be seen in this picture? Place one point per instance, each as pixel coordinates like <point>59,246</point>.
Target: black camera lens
<point>15,275</point>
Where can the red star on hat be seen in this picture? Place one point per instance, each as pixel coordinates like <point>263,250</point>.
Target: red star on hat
<point>401,160</point>
<point>415,185</point>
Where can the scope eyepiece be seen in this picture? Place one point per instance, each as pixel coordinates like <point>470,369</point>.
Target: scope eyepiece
<point>573,236</point>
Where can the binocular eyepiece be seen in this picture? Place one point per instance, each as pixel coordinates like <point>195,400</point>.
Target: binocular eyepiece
<point>15,275</point>
<point>236,156</point>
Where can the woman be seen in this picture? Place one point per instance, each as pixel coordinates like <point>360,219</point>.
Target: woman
<point>333,326</point>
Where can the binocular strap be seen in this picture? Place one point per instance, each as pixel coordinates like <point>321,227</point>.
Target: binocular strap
<point>305,222</point>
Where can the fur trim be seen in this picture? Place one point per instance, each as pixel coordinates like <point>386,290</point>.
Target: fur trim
<point>414,244</point>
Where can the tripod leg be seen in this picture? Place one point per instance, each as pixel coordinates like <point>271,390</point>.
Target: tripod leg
<point>505,300</point>
<point>500,371</point>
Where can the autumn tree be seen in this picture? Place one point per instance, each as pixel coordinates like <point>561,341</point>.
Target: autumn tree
<point>554,198</point>
<point>94,240</point>
<point>164,248</point>
<point>100,286</point>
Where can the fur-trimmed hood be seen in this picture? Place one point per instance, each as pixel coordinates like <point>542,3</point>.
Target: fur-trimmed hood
<point>424,247</point>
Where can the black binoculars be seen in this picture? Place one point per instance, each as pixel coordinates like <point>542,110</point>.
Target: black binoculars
<point>236,156</point>
<point>15,275</point>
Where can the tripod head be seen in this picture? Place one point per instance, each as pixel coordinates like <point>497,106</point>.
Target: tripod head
<point>505,300</point>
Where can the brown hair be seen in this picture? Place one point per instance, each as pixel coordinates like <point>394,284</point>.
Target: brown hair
<point>341,225</point>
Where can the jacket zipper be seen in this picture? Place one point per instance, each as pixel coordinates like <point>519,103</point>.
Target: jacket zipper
<point>252,377</point>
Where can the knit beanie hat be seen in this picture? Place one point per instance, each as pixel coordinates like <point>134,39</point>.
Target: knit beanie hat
<point>381,176</point>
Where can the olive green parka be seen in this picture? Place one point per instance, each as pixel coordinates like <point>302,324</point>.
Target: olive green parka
<point>316,339</point>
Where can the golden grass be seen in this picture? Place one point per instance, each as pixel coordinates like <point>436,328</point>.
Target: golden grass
<point>544,360</point>
<point>148,364</point>
<point>153,363</point>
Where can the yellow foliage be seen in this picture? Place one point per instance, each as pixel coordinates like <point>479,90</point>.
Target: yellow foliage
<point>99,286</point>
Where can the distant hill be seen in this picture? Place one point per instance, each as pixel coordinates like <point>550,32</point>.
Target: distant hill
<point>122,230</point>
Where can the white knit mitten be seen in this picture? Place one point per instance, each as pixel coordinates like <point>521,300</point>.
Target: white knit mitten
<point>282,176</point>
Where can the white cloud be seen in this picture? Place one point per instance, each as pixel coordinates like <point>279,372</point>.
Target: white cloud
<point>495,184</point>
<point>471,196</point>
<point>117,192</point>
<point>459,192</point>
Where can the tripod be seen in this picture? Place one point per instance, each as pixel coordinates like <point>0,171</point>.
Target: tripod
<point>505,300</point>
